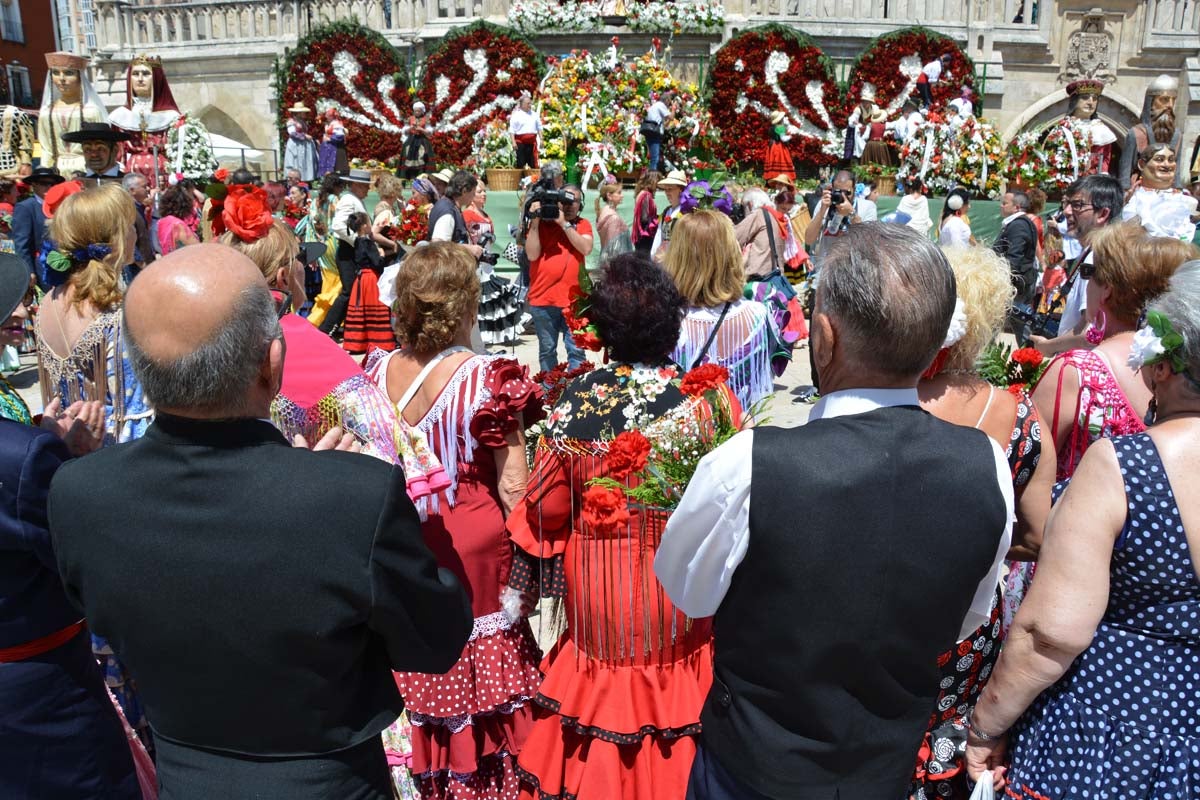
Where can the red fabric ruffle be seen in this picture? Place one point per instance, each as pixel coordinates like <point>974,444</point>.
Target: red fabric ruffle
<point>493,671</point>
<point>437,750</point>
<point>514,399</point>
<point>496,779</point>
<point>657,700</point>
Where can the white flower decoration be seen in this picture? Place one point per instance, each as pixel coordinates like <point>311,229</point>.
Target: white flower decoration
<point>739,66</point>
<point>518,63</point>
<point>503,75</point>
<point>1146,346</point>
<point>441,89</point>
<point>958,325</point>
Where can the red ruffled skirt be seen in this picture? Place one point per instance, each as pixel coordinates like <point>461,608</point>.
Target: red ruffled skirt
<point>368,321</point>
<point>615,732</point>
<point>778,159</point>
<point>469,725</point>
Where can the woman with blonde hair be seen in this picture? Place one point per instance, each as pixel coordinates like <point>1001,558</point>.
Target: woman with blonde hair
<point>609,224</point>
<point>1091,393</point>
<point>472,409</point>
<point>389,188</point>
<point>81,349</point>
<point>720,325</point>
<point>952,390</point>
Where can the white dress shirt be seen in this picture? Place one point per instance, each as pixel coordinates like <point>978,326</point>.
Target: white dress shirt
<point>523,122</point>
<point>933,70</point>
<point>1076,305</point>
<point>707,536</point>
<point>671,213</point>
<point>347,204</point>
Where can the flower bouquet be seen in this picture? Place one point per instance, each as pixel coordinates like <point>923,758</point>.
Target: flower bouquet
<point>414,225</point>
<point>653,465</point>
<point>1015,370</point>
<point>189,150</point>
<point>1026,162</point>
<point>494,148</point>
<point>1067,150</point>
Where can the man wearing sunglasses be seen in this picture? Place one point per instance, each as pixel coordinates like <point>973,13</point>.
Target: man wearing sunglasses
<point>1088,204</point>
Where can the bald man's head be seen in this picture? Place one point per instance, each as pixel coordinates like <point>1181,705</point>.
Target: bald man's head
<point>200,323</point>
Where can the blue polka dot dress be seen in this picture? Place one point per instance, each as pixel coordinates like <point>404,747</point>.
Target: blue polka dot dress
<point>1124,721</point>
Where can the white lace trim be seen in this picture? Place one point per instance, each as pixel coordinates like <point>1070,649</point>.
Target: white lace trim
<point>489,625</point>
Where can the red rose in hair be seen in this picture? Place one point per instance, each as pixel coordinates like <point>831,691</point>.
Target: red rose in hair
<point>604,509</point>
<point>703,378</point>
<point>247,213</point>
<point>221,174</point>
<point>1028,356</point>
<point>627,454</point>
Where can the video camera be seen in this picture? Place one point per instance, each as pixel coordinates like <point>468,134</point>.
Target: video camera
<point>485,241</point>
<point>1033,323</point>
<point>551,199</point>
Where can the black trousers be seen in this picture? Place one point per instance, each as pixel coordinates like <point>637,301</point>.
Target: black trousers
<point>347,272</point>
<point>709,780</point>
<point>926,94</point>
<point>525,157</point>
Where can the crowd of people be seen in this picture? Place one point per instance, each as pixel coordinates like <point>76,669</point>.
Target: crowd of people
<point>936,581</point>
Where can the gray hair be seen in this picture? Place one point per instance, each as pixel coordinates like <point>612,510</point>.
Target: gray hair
<point>130,180</point>
<point>1180,304</point>
<point>754,199</point>
<point>551,169</point>
<point>892,292</point>
<point>217,375</point>
<point>1020,200</point>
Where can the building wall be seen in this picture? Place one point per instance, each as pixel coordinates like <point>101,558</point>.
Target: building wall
<point>25,43</point>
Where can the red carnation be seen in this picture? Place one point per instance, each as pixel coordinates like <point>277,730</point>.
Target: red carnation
<point>1015,389</point>
<point>221,174</point>
<point>1028,357</point>
<point>703,378</point>
<point>627,454</point>
<point>604,509</point>
<point>247,212</point>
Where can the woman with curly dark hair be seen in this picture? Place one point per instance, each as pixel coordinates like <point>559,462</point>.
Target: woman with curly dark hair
<point>177,222</point>
<point>624,638</point>
<point>472,410</point>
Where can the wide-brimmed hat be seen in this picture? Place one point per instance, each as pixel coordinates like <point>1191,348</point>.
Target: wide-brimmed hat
<point>57,194</point>
<point>310,252</point>
<point>14,283</point>
<point>299,108</point>
<point>45,175</point>
<point>868,92</point>
<point>783,178</point>
<point>357,176</point>
<point>675,177</point>
<point>95,132</point>
<point>442,175</point>
<point>878,115</point>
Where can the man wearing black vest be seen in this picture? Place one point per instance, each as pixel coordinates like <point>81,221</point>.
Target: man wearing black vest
<point>832,603</point>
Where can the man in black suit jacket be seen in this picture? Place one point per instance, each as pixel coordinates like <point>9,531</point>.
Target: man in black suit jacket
<point>1018,242</point>
<point>28,222</point>
<point>260,594</point>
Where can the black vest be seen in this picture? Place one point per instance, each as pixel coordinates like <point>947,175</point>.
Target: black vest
<point>868,537</point>
<point>447,206</point>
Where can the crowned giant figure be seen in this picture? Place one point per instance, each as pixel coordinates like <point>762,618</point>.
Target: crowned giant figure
<point>1156,128</point>
<point>147,116</point>
<point>67,102</point>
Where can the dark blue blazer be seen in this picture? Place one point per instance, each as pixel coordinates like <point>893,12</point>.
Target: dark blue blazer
<point>28,230</point>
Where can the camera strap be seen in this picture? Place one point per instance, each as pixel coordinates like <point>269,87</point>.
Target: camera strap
<point>712,335</point>
<point>1064,289</point>
<point>770,220</point>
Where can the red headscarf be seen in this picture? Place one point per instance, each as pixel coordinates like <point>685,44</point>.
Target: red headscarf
<point>161,98</point>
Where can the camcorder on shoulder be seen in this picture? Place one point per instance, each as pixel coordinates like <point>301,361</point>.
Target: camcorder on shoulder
<point>551,200</point>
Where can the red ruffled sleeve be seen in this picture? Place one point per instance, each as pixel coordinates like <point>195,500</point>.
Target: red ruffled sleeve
<point>539,527</point>
<point>513,399</point>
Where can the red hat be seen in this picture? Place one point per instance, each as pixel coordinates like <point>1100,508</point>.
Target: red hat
<point>57,194</point>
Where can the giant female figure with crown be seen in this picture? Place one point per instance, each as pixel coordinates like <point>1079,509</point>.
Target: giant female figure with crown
<point>67,102</point>
<point>147,116</point>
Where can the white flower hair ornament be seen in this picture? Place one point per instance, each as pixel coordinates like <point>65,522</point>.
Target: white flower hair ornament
<point>954,202</point>
<point>958,325</point>
<point>1157,341</point>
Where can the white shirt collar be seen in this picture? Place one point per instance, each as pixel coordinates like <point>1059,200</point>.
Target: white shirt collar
<point>860,401</point>
<point>1011,217</point>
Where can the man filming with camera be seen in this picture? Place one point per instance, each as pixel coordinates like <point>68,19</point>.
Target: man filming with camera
<point>838,210</point>
<point>557,241</point>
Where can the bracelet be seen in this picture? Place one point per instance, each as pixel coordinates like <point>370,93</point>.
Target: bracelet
<point>982,735</point>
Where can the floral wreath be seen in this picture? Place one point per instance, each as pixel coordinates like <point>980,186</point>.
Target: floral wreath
<point>1157,341</point>
<point>892,62</point>
<point>64,260</point>
<point>245,212</point>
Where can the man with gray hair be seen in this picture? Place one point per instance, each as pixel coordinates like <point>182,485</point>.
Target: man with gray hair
<point>139,189</point>
<point>1017,243</point>
<point>831,609</point>
<point>261,620</point>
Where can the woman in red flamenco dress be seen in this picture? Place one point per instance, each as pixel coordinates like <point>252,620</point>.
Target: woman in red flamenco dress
<point>619,710</point>
<point>777,159</point>
<point>469,724</point>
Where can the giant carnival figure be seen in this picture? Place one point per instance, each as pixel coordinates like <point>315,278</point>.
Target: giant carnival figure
<point>147,116</point>
<point>1156,128</point>
<point>1085,96</point>
<point>67,102</point>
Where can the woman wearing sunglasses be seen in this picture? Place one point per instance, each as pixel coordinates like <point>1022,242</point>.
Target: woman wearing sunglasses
<point>1091,393</point>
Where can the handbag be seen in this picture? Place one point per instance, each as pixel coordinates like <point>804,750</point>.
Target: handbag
<point>650,128</point>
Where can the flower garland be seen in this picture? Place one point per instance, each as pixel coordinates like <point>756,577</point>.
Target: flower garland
<point>601,98</point>
<point>682,16</point>
<point>354,70</point>
<point>1025,162</point>
<point>947,155</point>
<point>475,75</point>
<point>189,150</point>
<point>1067,149</point>
<point>892,62</point>
<point>534,16</point>
<point>771,68</point>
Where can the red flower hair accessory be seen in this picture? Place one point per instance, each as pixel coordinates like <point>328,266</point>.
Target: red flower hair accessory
<point>221,174</point>
<point>247,212</point>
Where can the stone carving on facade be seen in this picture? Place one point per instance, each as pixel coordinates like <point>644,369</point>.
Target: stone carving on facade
<point>1090,51</point>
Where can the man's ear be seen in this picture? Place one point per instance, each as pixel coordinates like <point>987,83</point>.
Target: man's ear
<point>823,340</point>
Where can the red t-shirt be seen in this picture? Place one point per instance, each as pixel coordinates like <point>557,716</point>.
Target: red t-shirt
<point>552,276</point>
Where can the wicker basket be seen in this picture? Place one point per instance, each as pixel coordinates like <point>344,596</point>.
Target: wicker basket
<point>504,180</point>
<point>886,184</point>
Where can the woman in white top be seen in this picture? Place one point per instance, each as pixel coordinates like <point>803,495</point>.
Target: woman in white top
<point>916,205</point>
<point>720,325</point>
<point>956,230</point>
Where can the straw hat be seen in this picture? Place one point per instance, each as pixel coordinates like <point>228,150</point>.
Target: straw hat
<point>868,92</point>
<point>783,179</point>
<point>299,108</point>
<point>878,115</point>
<point>778,117</point>
<point>675,177</point>
<point>443,175</point>
<point>358,176</point>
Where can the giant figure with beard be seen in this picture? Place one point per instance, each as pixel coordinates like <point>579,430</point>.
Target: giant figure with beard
<point>1157,127</point>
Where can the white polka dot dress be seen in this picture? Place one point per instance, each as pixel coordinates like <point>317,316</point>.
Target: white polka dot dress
<point>1124,721</point>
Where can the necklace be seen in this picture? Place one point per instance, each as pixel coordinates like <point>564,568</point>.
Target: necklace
<point>12,405</point>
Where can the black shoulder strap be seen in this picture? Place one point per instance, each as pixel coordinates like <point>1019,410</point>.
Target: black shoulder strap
<point>712,335</point>
<point>771,236</point>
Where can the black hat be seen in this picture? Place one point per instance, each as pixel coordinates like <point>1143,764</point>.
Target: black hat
<point>310,252</point>
<point>14,283</point>
<point>45,175</point>
<point>95,131</point>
